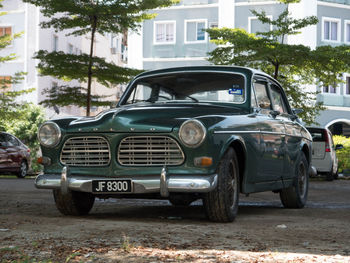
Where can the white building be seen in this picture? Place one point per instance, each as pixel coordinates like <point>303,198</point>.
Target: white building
<point>23,17</point>
<point>174,38</point>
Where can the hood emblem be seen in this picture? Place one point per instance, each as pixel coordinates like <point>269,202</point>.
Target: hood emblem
<point>132,129</point>
<point>152,129</point>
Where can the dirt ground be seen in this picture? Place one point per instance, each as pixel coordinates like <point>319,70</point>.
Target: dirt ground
<point>32,230</point>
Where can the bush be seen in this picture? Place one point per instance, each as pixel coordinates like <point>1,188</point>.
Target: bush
<point>343,154</point>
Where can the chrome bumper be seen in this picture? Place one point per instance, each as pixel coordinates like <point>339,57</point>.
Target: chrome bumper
<point>163,183</point>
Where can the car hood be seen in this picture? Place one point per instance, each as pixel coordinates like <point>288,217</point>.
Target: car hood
<point>149,117</point>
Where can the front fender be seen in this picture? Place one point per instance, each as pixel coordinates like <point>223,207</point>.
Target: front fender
<point>233,141</point>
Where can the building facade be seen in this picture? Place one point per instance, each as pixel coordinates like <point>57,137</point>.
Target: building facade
<point>175,38</point>
<point>24,17</point>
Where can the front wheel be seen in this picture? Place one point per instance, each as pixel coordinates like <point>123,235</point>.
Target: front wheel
<point>73,203</point>
<point>295,196</point>
<point>221,204</point>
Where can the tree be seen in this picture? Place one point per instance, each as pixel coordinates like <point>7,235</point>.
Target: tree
<point>89,17</point>
<point>8,104</point>
<point>294,66</point>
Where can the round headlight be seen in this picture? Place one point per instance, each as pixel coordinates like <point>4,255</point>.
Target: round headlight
<point>49,134</point>
<point>192,133</point>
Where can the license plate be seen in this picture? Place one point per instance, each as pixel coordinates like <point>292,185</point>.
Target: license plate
<point>111,186</point>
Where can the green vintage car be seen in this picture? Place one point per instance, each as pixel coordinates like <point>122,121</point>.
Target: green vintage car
<point>181,134</point>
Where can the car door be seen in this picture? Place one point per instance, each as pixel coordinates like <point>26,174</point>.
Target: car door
<point>292,129</point>
<point>13,151</point>
<point>272,135</point>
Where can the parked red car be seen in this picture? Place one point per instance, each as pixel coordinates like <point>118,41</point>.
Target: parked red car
<point>14,155</point>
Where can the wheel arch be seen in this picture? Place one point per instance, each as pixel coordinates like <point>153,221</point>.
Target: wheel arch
<point>237,144</point>
<point>305,148</point>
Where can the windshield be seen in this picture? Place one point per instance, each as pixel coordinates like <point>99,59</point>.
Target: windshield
<point>195,87</point>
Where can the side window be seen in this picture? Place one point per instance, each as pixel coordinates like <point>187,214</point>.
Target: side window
<point>261,96</point>
<point>2,140</point>
<point>140,93</point>
<point>277,99</point>
<point>252,99</point>
<point>11,141</point>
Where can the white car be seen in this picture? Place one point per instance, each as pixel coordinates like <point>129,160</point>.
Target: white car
<point>324,157</point>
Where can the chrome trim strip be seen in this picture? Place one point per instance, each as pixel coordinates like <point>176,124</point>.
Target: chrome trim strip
<point>229,132</point>
<point>141,184</point>
<point>262,132</point>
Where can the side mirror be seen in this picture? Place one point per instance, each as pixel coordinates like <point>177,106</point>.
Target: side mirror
<point>297,111</point>
<point>339,147</point>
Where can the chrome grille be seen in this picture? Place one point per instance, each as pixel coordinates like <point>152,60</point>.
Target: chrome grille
<point>85,151</point>
<point>149,151</point>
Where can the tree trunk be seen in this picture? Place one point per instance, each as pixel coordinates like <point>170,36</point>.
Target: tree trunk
<point>93,31</point>
<point>275,75</point>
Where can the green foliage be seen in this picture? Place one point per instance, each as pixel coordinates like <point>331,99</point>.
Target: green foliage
<point>26,128</point>
<point>329,62</point>
<point>343,154</point>
<point>70,66</point>
<point>113,16</point>
<point>294,66</point>
<point>84,17</point>
<point>8,104</point>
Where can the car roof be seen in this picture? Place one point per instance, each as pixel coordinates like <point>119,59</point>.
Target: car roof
<point>204,68</point>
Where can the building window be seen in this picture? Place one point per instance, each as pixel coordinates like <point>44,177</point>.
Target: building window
<point>330,29</point>
<point>5,30</point>
<point>195,31</point>
<point>55,43</point>
<point>164,32</point>
<point>255,25</point>
<point>347,31</point>
<point>347,88</point>
<point>329,89</point>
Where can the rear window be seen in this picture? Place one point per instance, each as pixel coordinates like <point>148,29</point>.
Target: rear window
<point>317,135</point>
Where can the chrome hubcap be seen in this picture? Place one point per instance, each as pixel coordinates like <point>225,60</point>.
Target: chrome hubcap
<point>23,169</point>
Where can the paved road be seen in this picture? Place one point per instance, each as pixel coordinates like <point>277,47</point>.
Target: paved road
<point>28,216</point>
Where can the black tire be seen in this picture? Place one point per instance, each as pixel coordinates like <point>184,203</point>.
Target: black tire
<point>73,203</point>
<point>221,204</point>
<point>296,195</point>
<point>23,170</point>
<point>336,175</point>
<point>329,175</point>
<point>182,200</point>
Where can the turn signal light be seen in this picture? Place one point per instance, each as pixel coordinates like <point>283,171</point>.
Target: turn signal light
<point>203,161</point>
<point>44,160</point>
